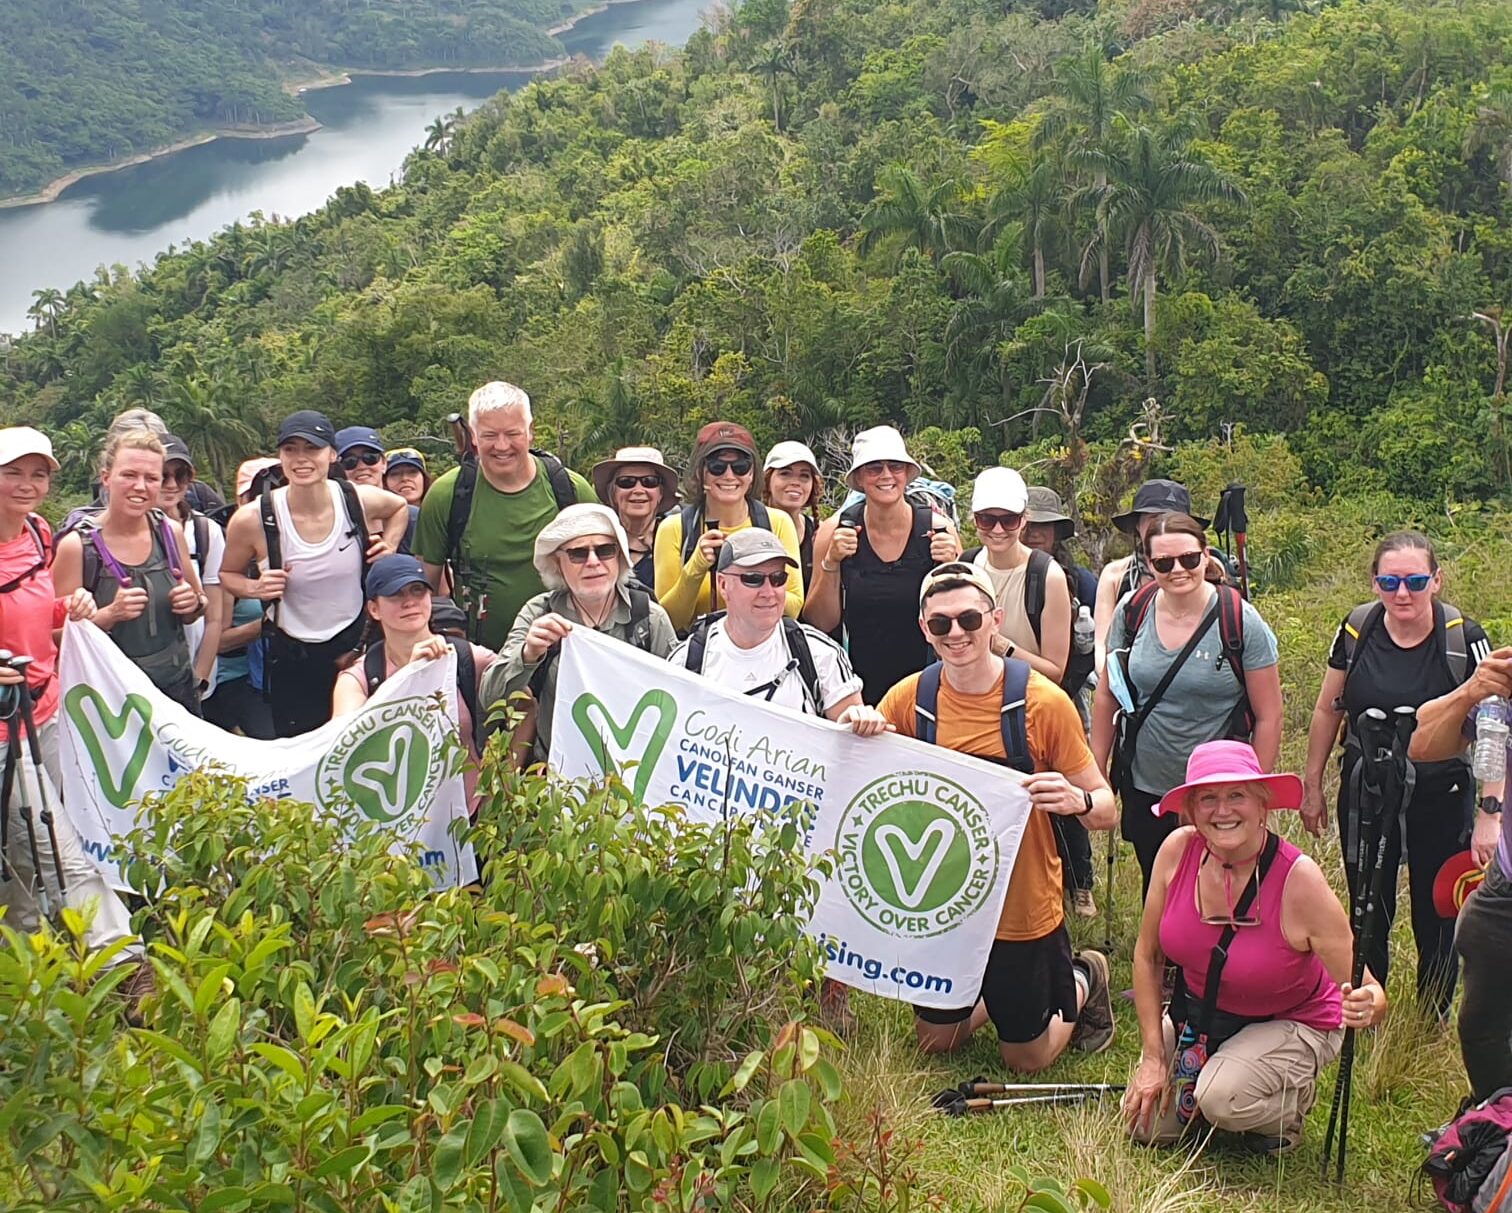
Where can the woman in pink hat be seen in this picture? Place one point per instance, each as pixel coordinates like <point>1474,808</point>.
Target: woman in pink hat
<point>1282,998</point>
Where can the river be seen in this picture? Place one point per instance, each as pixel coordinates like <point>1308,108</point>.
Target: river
<point>368,127</point>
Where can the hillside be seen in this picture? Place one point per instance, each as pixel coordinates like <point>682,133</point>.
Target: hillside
<point>83,84</point>
<point>1031,233</point>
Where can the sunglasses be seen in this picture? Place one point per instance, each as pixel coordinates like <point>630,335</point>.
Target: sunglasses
<point>406,452</point>
<point>352,462</point>
<point>896,466</point>
<point>604,551</point>
<point>178,475</point>
<point>1187,560</point>
<point>1006,521</point>
<point>753,581</point>
<point>1416,582</point>
<point>652,481</point>
<point>939,625</point>
<point>718,467</point>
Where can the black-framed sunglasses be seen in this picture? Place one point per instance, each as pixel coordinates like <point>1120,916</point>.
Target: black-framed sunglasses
<point>180,474</point>
<point>652,481</point>
<point>741,466</point>
<point>939,625</point>
<point>1187,560</point>
<point>1007,520</point>
<point>604,551</point>
<point>752,581</point>
<point>352,462</point>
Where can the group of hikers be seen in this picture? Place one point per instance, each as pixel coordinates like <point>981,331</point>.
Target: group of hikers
<point>1146,699</point>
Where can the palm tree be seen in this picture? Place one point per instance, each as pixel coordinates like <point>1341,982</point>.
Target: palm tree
<point>915,215</point>
<point>436,136</point>
<point>774,63</point>
<point>1154,182</point>
<point>988,312</point>
<point>1092,94</point>
<point>1032,194</point>
<point>198,408</point>
<point>1492,131</point>
<point>47,306</point>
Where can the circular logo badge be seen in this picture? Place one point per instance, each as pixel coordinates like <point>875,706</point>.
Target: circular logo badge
<point>916,854</point>
<point>389,763</point>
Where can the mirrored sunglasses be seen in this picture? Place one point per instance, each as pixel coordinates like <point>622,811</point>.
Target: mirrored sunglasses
<point>1416,582</point>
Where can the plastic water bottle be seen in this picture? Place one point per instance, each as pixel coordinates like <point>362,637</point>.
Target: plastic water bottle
<point>1084,631</point>
<point>1491,729</point>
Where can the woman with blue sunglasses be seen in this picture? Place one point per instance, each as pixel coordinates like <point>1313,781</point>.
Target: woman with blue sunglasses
<point>1405,647</point>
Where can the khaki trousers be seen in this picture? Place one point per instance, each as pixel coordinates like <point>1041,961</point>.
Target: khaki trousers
<point>1263,1079</point>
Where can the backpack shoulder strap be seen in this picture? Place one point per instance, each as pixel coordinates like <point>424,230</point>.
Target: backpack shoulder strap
<point>167,535</point>
<point>640,617</point>
<point>463,489</point>
<point>201,540</point>
<point>44,548</point>
<point>969,555</point>
<point>927,703</point>
<point>356,518</point>
<point>1137,608</point>
<point>1456,653</point>
<point>467,686</point>
<point>1362,621</point>
<point>799,651</point>
<point>374,666</point>
<point>689,516</point>
<point>1034,588</point>
<point>760,517</point>
<point>1231,629</point>
<point>559,478</point>
<point>270,528</point>
<point>854,513</point>
<point>923,520</point>
<point>698,641</point>
<point>1015,715</point>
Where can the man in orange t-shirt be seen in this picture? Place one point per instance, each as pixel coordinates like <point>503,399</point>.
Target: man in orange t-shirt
<point>1039,998</point>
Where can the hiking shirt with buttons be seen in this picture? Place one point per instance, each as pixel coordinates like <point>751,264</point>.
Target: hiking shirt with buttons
<point>881,612</point>
<point>746,670</point>
<point>28,615</point>
<point>683,589</point>
<point>498,544</point>
<point>1197,705</point>
<point>513,673</point>
<point>972,724</point>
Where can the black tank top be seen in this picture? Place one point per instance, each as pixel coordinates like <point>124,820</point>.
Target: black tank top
<point>882,609</point>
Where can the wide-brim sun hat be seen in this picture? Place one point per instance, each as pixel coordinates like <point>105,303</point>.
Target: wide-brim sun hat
<point>1045,507</point>
<point>791,454</point>
<point>19,441</point>
<point>1230,762</point>
<point>881,443</point>
<point>1158,497</point>
<point>606,470</point>
<point>575,522</point>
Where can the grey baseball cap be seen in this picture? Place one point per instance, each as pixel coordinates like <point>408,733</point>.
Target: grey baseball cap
<point>752,546</point>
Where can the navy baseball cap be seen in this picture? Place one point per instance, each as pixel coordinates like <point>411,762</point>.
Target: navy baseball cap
<point>406,457</point>
<point>390,574</point>
<point>313,427</point>
<point>355,436</point>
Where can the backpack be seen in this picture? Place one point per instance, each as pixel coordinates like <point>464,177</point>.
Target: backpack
<point>1040,564</point>
<point>1448,626</point>
<point>640,634</point>
<point>463,491</point>
<point>1014,716</point>
<point>854,514</point>
<point>935,495</point>
<point>44,555</point>
<point>1469,1162</point>
<point>374,663</point>
<point>95,559</point>
<point>692,525</point>
<point>356,527</point>
<point>800,658</point>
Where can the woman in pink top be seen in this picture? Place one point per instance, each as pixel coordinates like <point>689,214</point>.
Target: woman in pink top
<point>1284,997</point>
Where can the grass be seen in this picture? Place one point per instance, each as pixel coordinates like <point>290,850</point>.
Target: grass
<point>1408,1076</point>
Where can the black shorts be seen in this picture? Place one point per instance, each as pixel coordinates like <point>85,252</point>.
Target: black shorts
<point>1027,983</point>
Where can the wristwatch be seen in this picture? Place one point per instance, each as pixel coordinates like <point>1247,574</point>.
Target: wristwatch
<point>1491,805</point>
<point>1086,804</point>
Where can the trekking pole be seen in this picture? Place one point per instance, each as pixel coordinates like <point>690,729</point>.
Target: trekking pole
<point>963,1106</point>
<point>980,1086</point>
<point>18,782</point>
<point>45,815</point>
<point>1233,520</point>
<point>1108,890</point>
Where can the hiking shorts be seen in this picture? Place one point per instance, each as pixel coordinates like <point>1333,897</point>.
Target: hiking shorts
<point>1027,983</point>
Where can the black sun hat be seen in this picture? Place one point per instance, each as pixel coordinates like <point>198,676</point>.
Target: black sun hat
<point>1158,497</point>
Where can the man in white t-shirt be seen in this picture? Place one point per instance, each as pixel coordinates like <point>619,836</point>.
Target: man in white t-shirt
<point>750,648</point>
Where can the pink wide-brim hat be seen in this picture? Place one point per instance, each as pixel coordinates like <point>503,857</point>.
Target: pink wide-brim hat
<point>1230,762</point>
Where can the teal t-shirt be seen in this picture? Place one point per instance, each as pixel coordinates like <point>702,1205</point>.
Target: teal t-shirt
<point>498,546</point>
<point>1197,705</point>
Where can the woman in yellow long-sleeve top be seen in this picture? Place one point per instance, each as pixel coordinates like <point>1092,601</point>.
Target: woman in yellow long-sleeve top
<point>721,500</point>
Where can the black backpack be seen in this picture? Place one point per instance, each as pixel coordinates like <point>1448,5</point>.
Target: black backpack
<point>466,487</point>
<point>375,662</point>
<point>87,528</point>
<point>800,658</point>
<point>1449,638</point>
<point>1014,716</point>
<point>692,525</point>
<point>356,527</point>
<point>1040,564</point>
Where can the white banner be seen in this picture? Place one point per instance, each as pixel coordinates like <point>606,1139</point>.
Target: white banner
<point>123,739</point>
<point>925,838</point>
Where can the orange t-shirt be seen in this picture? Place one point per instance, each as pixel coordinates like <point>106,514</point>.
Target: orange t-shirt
<point>971,724</point>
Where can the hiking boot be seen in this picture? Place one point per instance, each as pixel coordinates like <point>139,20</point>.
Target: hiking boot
<point>1094,1025</point>
<point>1272,1145</point>
<point>136,990</point>
<point>834,1007</point>
<point>1082,904</point>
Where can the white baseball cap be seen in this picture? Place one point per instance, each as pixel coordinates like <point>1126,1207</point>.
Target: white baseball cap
<point>999,489</point>
<point>18,441</point>
<point>881,442</point>
<point>786,454</point>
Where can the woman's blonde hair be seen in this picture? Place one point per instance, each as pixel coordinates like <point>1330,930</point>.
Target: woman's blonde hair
<point>130,440</point>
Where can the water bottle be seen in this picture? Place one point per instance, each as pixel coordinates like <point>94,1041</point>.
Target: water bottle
<point>1491,728</point>
<point>1084,631</point>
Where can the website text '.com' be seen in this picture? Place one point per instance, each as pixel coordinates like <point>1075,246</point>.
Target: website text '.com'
<point>840,954</point>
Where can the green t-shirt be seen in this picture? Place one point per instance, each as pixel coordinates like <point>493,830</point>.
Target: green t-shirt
<point>498,546</point>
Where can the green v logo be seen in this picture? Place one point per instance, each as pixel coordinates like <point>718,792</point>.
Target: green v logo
<point>117,743</point>
<point>614,744</point>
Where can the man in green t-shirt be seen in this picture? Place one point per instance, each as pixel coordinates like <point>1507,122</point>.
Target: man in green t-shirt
<point>514,497</point>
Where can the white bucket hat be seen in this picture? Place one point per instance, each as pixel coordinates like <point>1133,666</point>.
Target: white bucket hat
<point>576,521</point>
<point>999,489</point>
<point>881,442</point>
